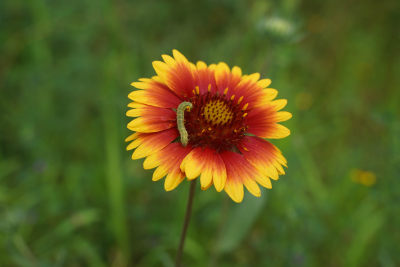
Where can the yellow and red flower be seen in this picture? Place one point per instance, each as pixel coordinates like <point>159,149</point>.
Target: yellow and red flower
<point>229,117</point>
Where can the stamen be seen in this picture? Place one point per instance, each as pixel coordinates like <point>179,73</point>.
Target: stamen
<point>180,118</point>
<point>240,99</point>
<point>215,120</point>
<point>197,90</point>
<point>245,106</point>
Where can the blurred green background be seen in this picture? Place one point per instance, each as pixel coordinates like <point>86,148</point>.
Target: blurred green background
<point>71,196</point>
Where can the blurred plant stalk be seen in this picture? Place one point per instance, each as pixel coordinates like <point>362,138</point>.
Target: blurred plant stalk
<point>186,222</point>
<point>113,165</point>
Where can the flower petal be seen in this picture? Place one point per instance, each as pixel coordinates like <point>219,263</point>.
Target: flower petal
<point>239,172</point>
<point>252,186</point>
<point>173,179</point>
<point>192,164</point>
<point>264,156</point>
<point>283,116</point>
<point>205,78</point>
<point>177,73</point>
<point>263,122</point>
<point>264,83</point>
<point>206,178</point>
<point>207,163</point>
<point>146,111</point>
<point>153,142</point>
<point>150,125</point>
<point>156,94</point>
<point>252,92</point>
<point>219,171</point>
<point>278,104</point>
<point>226,79</point>
<point>168,161</point>
<point>131,137</point>
<point>265,96</point>
<point>234,189</point>
<point>150,119</point>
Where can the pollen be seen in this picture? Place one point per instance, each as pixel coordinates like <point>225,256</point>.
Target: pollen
<point>216,112</point>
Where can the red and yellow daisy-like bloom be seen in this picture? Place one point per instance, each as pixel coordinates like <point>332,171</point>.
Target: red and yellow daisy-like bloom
<point>209,122</point>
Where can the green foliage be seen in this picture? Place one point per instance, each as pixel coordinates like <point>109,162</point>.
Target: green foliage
<point>240,220</point>
<point>71,196</point>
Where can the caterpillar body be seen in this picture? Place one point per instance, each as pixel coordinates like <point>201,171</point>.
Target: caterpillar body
<point>180,119</point>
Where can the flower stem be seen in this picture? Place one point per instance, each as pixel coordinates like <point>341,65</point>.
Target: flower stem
<point>186,222</point>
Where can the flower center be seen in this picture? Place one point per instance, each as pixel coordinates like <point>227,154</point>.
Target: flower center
<point>217,112</point>
<point>215,121</point>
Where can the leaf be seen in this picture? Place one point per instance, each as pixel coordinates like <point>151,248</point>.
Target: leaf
<point>239,222</point>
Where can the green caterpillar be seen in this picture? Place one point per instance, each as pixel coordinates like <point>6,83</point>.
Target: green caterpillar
<point>180,119</point>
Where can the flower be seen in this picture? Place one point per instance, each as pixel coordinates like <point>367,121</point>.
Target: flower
<point>208,122</point>
<point>365,178</point>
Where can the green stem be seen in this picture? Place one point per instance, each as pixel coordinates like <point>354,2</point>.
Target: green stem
<point>186,222</point>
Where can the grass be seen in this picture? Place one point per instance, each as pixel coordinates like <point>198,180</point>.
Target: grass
<point>71,196</point>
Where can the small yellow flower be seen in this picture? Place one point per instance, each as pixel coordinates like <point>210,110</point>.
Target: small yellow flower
<point>365,178</point>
